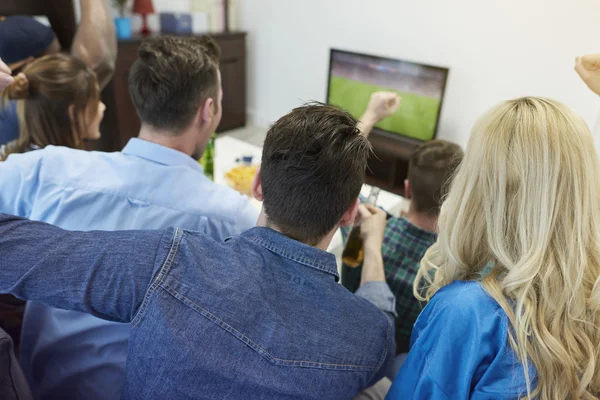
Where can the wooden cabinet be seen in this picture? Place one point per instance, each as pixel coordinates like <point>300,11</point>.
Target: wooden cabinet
<point>120,119</point>
<point>388,166</point>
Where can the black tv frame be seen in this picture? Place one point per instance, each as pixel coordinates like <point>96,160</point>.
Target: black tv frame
<point>396,136</point>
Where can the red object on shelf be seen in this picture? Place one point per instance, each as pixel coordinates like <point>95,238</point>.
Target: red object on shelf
<point>143,7</point>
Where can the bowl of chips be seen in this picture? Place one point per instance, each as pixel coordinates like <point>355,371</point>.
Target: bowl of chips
<point>241,176</point>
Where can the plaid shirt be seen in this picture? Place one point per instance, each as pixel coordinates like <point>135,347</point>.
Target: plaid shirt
<point>404,245</point>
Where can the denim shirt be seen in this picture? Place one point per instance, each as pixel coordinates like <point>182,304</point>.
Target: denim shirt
<point>257,316</point>
<point>66,354</point>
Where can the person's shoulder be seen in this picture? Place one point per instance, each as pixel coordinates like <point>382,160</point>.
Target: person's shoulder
<point>465,301</point>
<point>225,202</point>
<point>52,152</point>
<point>465,295</point>
<point>403,228</point>
<point>64,158</point>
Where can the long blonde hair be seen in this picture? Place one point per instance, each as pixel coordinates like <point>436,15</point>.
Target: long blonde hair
<point>527,199</point>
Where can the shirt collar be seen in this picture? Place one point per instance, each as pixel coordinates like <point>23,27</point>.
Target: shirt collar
<point>417,232</point>
<point>294,250</point>
<point>159,154</point>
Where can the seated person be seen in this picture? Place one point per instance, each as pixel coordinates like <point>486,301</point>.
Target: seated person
<point>58,103</point>
<point>407,238</point>
<point>260,315</point>
<point>152,184</point>
<point>526,198</point>
<point>24,39</point>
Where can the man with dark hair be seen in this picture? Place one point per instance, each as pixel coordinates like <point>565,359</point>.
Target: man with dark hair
<point>257,316</point>
<point>408,238</point>
<point>154,183</point>
<point>172,77</point>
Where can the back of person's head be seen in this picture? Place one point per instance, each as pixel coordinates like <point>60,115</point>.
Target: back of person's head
<point>430,167</point>
<point>172,78</point>
<point>526,197</point>
<point>313,167</point>
<point>58,103</point>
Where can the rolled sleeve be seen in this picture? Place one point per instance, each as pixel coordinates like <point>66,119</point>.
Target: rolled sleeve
<point>380,295</point>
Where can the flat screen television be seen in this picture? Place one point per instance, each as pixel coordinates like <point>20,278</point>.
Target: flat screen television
<point>354,77</point>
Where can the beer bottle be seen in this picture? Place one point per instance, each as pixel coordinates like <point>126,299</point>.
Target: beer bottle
<point>353,254</point>
<point>208,159</point>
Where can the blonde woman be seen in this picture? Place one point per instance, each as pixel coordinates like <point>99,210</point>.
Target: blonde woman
<point>527,199</point>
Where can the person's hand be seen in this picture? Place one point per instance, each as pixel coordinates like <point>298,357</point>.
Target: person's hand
<point>372,226</point>
<point>382,105</point>
<point>588,68</point>
<point>5,75</point>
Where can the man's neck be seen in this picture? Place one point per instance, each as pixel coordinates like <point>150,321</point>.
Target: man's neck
<point>181,142</point>
<point>322,245</point>
<point>422,221</point>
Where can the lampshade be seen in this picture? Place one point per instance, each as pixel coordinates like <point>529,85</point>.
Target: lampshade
<point>143,7</point>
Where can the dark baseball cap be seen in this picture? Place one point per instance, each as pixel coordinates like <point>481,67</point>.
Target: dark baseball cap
<point>22,37</point>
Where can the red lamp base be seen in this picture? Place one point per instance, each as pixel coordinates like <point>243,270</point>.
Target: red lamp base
<point>145,30</point>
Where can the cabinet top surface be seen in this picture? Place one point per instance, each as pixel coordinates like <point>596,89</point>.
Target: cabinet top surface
<point>216,35</point>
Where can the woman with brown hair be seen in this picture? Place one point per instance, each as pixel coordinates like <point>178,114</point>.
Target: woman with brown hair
<point>58,103</point>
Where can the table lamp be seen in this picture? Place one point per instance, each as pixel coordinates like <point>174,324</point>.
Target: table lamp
<point>143,7</point>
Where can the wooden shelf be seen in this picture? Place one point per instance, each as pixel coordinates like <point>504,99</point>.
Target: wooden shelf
<point>388,167</point>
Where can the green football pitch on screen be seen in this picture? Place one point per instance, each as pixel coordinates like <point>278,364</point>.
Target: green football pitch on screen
<point>416,117</point>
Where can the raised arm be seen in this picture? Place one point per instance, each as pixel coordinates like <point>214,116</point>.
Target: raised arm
<point>105,274</point>
<point>381,105</point>
<point>95,41</point>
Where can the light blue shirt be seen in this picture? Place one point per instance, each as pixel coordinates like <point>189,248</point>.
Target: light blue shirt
<point>67,354</point>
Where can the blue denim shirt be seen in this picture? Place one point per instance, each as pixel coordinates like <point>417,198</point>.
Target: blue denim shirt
<point>66,354</point>
<point>257,316</point>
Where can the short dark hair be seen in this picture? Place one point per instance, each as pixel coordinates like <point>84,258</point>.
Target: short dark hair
<point>171,79</point>
<point>431,167</point>
<point>313,167</point>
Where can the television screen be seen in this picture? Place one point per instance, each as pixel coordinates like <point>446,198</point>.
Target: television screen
<point>354,77</point>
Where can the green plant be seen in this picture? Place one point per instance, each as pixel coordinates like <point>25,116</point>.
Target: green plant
<point>120,5</point>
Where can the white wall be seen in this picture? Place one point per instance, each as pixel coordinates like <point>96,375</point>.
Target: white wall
<point>496,49</point>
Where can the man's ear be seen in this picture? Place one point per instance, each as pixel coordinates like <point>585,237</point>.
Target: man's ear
<point>257,186</point>
<point>407,189</point>
<point>350,215</point>
<point>207,110</point>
